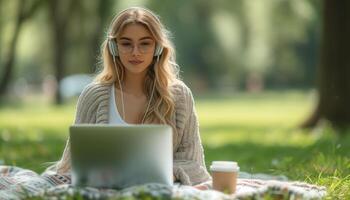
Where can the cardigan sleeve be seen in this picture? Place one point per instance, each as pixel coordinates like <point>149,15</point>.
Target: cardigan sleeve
<point>189,165</point>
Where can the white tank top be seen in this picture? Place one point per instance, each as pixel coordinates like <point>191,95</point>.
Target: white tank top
<point>114,116</point>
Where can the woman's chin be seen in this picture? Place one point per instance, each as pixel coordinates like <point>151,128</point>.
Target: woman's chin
<point>136,70</point>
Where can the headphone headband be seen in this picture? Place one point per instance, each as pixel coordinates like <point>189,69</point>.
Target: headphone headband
<point>112,45</point>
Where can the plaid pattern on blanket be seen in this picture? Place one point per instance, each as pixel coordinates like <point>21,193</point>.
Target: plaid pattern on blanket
<point>18,183</point>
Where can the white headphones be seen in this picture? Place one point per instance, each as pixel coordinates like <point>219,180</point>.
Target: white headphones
<point>112,45</point>
<point>113,49</point>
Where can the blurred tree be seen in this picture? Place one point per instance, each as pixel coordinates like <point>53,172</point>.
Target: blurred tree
<point>197,47</point>
<point>60,14</point>
<point>103,13</point>
<point>277,31</point>
<point>334,66</point>
<point>25,10</point>
<point>1,26</point>
<point>219,44</point>
<point>250,41</point>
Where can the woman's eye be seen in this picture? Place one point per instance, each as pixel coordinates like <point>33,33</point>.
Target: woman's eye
<point>125,44</point>
<point>145,43</point>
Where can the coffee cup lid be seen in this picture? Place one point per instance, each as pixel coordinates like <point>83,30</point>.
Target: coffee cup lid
<point>224,166</point>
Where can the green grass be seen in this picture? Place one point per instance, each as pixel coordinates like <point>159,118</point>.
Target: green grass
<point>256,130</point>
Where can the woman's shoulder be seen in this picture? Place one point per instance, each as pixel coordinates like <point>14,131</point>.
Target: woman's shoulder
<point>95,89</point>
<point>181,92</point>
<point>178,86</point>
<point>93,96</point>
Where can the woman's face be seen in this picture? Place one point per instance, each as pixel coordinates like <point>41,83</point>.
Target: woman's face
<point>136,48</point>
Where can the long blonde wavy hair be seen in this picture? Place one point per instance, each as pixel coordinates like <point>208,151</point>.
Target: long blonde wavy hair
<point>164,72</point>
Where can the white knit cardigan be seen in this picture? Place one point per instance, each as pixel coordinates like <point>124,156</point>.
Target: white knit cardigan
<point>189,167</point>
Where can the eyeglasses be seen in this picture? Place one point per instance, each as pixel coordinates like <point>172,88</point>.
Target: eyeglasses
<point>127,47</point>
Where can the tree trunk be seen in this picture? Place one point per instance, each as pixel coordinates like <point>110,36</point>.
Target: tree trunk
<point>23,14</point>
<point>60,18</point>
<point>334,67</point>
<point>59,46</point>
<point>103,11</point>
<point>11,56</point>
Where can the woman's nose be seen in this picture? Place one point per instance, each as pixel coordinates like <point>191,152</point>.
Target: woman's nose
<point>135,50</point>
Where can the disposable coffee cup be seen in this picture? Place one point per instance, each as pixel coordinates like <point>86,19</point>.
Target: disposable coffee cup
<point>224,174</point>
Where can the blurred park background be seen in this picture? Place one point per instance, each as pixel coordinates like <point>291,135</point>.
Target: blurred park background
<point>270,79</point>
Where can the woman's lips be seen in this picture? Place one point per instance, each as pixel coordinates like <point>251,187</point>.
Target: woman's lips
<point>135,62</point>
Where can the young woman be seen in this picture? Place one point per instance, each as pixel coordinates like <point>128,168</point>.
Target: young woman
<point>139,84</point>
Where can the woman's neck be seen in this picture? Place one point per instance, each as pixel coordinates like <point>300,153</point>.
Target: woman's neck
<point>134,84</point>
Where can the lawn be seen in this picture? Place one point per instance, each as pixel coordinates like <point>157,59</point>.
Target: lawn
<point>259,131</point>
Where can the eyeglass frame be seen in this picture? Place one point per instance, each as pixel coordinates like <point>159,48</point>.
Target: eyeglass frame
<point>131,49</point>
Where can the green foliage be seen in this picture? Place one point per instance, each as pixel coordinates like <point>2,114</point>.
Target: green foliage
<point>256,130</point>
<point>217,43</point>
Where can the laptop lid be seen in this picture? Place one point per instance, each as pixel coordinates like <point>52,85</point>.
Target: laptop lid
<point>110,156</point>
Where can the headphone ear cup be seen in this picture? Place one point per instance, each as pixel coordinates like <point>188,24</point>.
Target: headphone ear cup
<point>158,51</point>
<point>113,49</point>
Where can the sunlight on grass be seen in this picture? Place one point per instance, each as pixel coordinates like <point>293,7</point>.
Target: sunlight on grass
<point>38,116</point>
<point>259,131</point>
<point>265,119</point>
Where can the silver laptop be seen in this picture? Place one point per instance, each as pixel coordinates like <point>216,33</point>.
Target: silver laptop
<point>106,156</point>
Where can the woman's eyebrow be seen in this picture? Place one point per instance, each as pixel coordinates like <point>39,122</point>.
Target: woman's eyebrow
<point>143,38</point>
<point>125,38</point>
<point>147,37</point>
